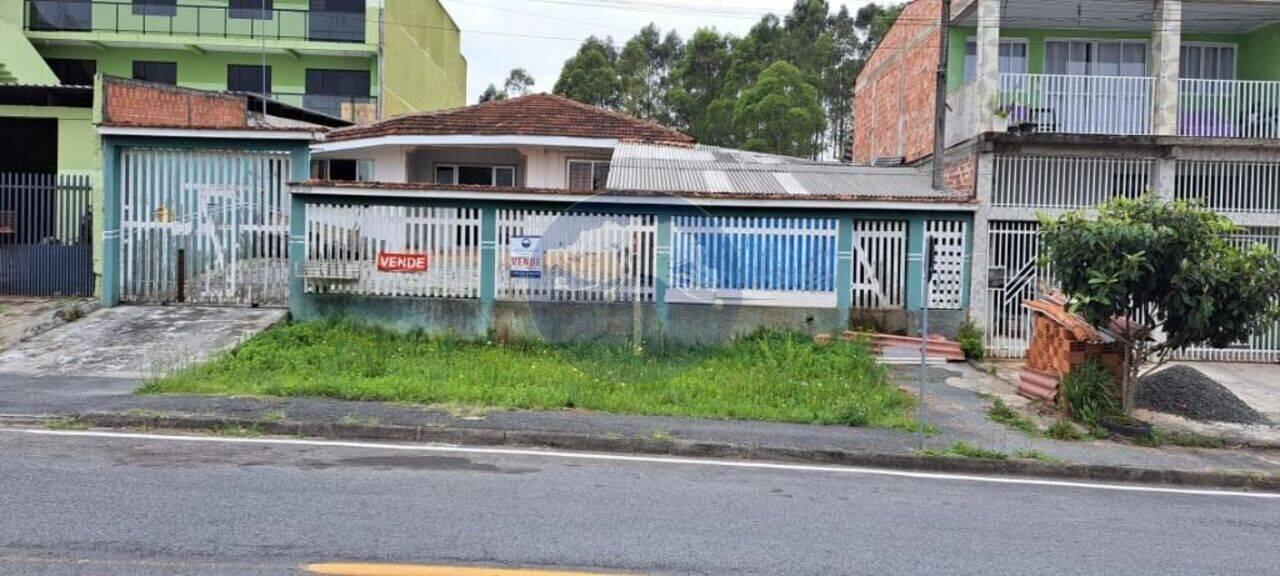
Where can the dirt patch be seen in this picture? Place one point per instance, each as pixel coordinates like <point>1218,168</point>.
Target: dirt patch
<point>1187,392</point>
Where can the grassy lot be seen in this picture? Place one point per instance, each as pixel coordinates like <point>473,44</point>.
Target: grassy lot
<point>770,376</point>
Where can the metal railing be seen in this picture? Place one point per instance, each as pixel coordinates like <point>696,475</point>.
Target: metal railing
<point>46,234</point>
<point>192,20</point>
<point>1229,108</point>
<point>1120,105</point>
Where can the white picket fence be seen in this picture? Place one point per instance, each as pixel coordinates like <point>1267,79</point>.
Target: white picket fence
<point>879,264</point>
<point>343,243</point>
<point>1067,182</point>
<point>1080,104</point>
<point>949,239</point>
<point>754,260</point>
<point>1229,185</point>
<point>586,257</point>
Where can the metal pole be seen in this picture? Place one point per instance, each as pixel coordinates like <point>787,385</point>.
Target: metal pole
<point>940,98</point>
<point>924,334</point>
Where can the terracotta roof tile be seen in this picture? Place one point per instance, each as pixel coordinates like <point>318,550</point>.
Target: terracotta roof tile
<point>534,115</point>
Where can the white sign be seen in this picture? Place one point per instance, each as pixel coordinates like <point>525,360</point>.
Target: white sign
<point>525,253</point>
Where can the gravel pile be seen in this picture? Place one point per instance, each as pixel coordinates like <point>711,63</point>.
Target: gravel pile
<point>1187,392</point>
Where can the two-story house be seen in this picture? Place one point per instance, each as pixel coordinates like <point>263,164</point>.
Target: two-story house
<point>1055,106</point>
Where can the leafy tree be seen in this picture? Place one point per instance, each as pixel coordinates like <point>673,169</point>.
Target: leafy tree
<point>644,70</point>
<point>1171,268</point>
<point>780,113</point>
<point>591,75</point>
<point>519,83</point>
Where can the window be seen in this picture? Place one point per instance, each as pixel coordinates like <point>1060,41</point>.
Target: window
<point>1013,58</point>
<point>497,176</point>
<point>336,20</point>
<point>250,9</point>
<point>586,175</point>
<point>248,78</point>
<point>1090,58</point>
<point>73,72</point>
<point>328,91</point>
<point>155,7</point>
<point>1208,62</point>
<point>342,170</point>
<point>60,15</point>
<point>159,72</point>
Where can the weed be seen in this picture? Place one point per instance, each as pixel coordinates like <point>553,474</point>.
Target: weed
<point>273,416</point>
<point>1001,413</point>
<point>354,420</point>
<point>771,375</point>
<point>1064,430</point>
<point>1090,394</point>
<point>661,435</point>
<point>1157,439</point>
<point>1036,455</point>
<point>972,340</point>
<point>71,313</point>
<point>67,424</point>
<point>963,450</point>
<point>238,431</point>
<point>143,413</point>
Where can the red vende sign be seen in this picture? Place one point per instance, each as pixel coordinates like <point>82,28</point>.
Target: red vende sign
<point>401,262</point>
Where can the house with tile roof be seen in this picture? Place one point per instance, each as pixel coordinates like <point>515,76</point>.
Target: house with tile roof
<point>543,217</point>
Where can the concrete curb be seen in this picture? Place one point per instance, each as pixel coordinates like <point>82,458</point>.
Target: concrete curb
<point>681,448</point>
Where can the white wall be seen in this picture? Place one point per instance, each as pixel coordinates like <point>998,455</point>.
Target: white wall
<point>536,167</point>
<point>389,162</point>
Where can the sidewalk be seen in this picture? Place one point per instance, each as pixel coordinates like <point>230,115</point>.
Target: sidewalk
<point>952,408</point>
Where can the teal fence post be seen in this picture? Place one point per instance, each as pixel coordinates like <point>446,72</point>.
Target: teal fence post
<point>488,267</point>
<point>844,268</point>
<point>299,171</point>
<point>966,272</point>
<point>915,262</point>
<point>110,296</point>
<point>662,271</point>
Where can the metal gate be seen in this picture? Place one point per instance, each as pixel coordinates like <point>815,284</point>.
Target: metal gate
<point>46,231</point>
<point>204,227</point>
<point>1014,277</point>
<point>879,264</point>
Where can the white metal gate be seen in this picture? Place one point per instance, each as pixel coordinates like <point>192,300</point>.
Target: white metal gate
<point>586,257</point>
<point>1014,277</point>
<point>204,227</point>
<point>948,238</point>
<point>879,264</point>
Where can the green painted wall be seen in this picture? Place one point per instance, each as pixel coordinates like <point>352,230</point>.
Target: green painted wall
<point>20,63</point>
<point>209,71</point>
<point>1267,41</point>
<point>422,58</point>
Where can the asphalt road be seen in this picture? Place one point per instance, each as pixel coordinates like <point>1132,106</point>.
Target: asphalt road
<point>112,505</point>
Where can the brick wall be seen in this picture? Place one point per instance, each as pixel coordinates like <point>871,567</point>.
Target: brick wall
<point>129,103</point>
<point>894,95</point>
<point>960,172</point>
<point>1054,352</point>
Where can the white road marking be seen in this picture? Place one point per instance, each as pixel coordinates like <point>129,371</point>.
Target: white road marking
<point>450,448</point>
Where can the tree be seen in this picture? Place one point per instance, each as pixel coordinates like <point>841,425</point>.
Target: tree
<point>700,88</point>
<point>519,83</point>
<point>644,70</point>
<point>1169,267</point>
<point>780,114</point>
<point>591,75</point>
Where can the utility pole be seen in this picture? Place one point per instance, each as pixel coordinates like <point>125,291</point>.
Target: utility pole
<point>940,96</point>
<point>930,244</point>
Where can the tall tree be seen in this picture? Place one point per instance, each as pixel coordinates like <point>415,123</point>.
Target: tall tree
<point>780,113</point>
<point>700,96</point>
<point>518,83</point>
<point>644,70</point>
<point>591,75</point>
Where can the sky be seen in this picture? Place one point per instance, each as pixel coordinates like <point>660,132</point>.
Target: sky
<point>539,35</point>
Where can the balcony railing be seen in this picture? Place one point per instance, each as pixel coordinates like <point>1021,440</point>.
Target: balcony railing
<point>1120,105</point>
<point>119,16</point>
<point>1229,109</point>
<point>351,108</point>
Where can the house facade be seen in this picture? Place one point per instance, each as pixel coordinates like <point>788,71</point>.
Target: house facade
<point>539,217</point>
<point>1057,106</point>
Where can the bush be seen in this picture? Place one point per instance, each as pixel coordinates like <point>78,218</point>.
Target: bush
<point>1090,394</point>
<point>972,340</point>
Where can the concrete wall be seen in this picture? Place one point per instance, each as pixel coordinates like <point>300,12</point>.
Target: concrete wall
<point>422,58</point>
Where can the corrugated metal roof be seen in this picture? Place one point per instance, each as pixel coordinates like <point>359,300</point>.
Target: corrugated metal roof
<point>708,170</point>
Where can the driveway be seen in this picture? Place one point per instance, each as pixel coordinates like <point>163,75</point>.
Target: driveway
<point>135,342</point>
<point>22,317</point>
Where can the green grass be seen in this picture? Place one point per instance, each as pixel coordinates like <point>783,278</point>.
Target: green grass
<point>963,450</point>
<point>1001,413</point>
<point>770,376</point>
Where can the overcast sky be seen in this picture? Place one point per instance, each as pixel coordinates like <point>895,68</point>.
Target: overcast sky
<point>539,35</point>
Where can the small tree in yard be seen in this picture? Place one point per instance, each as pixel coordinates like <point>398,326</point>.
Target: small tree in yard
<point>1169,267</point>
